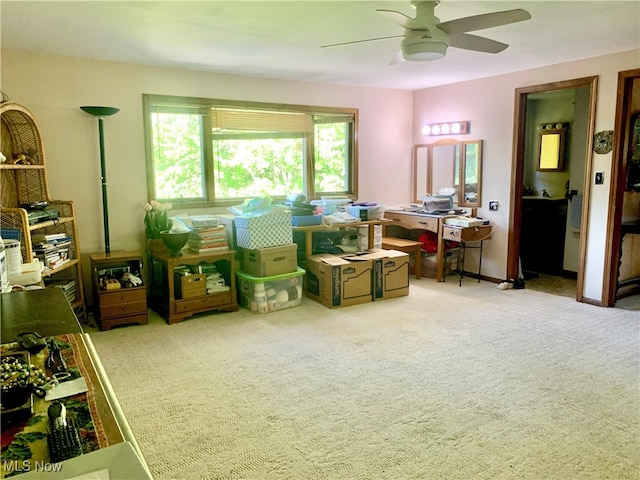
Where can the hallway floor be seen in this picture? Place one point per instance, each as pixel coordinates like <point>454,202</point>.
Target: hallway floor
<point>566,287</point>
<point>554,284</point>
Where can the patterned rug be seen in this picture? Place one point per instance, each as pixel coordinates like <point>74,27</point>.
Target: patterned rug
<point>24,442</point>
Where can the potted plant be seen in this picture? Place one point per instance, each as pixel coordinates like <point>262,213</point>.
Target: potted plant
<point>156,220</point>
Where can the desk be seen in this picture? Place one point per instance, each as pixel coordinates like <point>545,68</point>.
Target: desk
<point>435,223</point>
<point>309,229</point>
<point>45,311</point>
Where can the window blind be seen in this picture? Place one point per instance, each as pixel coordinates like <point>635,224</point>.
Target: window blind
<point>260,120</point>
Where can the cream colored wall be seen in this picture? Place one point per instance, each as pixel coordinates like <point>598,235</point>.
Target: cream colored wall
<point>489,105</point>
<point>54,87</point>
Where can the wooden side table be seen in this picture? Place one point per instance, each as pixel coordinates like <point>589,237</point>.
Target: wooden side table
<point>123,305</point>
<point>163,291</point>
<point>309,229</point>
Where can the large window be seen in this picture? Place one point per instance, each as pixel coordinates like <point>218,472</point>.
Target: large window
<point>217,152</point>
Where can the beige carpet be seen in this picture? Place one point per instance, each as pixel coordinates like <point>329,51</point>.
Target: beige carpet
<point>448,383</point>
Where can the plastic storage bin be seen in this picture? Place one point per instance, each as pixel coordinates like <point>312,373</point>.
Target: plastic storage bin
<point>268,294</point>
<point>363,237</point>
<point>366,213</point>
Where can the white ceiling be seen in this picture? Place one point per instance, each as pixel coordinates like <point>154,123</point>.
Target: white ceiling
<point>282,39</point>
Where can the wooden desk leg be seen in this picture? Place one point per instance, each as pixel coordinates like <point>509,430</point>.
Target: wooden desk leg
<point>480,262</point>
<point>308,243</point>
<point>440,256</point>
<point>463,251</point>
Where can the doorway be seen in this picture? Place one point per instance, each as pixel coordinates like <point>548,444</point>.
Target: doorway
<point>549,209</point>
<point>622,265</point>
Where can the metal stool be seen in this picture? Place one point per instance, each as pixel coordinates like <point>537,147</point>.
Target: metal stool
<point>463,250</point>
<point>406,246</point>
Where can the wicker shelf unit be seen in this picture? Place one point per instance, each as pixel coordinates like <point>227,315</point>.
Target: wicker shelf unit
<point>26,184</point>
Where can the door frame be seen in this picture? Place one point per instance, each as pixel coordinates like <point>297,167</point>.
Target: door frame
<point>517,173</point>
<point>624,96</point>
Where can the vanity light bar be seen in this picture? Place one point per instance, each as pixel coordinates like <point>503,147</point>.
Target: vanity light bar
<point>551,126</point>
<point>448,128</point>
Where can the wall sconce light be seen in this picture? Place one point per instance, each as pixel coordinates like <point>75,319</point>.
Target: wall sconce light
<point>448,128</point>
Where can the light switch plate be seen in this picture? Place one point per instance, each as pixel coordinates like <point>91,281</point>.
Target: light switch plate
<point>599,178</point>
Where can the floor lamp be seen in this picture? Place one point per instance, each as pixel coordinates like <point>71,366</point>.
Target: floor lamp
<point>101,113</point>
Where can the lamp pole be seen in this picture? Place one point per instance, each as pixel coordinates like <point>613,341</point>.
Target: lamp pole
<point>101,113</point>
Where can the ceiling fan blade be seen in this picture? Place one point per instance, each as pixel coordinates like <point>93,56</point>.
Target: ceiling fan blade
<point>486,20</point>
<point>397,58</point>
<point>361,41</point>
<point>402,20</point>
<point>475,43</point>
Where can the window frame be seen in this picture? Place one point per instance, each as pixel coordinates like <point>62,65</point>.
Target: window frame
<point>192,103</point>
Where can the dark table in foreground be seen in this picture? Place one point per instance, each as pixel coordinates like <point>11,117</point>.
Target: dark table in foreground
<point>45,311</point>
<point>110,426</point>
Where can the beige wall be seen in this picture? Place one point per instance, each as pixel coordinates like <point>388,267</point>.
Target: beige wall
<point>53,88</point>
<point>489,105</point>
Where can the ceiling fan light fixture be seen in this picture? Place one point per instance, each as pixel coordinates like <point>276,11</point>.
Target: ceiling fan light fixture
<point>424,51</point>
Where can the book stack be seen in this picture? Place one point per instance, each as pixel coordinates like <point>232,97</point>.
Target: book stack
<point>208,239</point>
<point>202,221</point>
<point>68,287</point>
<point>215,281</point>
<point>52,250</point>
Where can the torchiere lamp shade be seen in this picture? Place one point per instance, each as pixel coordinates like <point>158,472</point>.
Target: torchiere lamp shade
<point>100,111</point>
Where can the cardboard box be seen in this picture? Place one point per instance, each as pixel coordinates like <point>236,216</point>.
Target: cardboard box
<point>390,273</point>
<point>266,262</point>
<point>338,281</point>
<point>268,230</point>
<point>189,286</point>
<point>268,294</point>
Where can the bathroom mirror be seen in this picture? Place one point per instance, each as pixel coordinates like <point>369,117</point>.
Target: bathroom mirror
<point>445,164</point>
<point>551,151</point>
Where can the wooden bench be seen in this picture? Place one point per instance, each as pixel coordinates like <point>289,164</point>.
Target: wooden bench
<point>406,246</point>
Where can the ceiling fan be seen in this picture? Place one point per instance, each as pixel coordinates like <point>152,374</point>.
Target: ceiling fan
<point>426,38</point>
